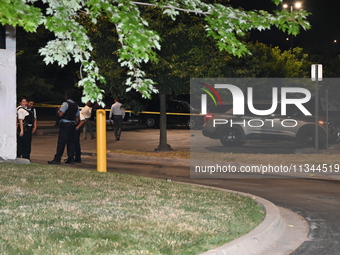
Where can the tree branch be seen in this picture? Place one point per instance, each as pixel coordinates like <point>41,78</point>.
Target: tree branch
<point>171,7</point>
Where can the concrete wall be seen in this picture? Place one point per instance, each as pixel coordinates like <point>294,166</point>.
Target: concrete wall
<point>8,98</point>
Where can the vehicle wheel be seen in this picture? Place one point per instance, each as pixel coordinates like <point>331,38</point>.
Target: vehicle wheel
<point>334,136</point>
<point>307,138</point>
<point>231,137</point>
<point>191,124</point>
<point>150,122</point>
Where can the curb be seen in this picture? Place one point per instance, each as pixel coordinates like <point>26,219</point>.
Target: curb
<point>265,237</point>
<point>258,240</point>
<point>188,162</point>
<point>144,159</point>
<point>15,161</point>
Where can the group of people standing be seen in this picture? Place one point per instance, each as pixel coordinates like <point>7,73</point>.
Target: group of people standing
<point>70,124</point>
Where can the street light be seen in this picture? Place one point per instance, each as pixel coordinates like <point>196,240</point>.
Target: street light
<point>296,5</point>
<point>291,8</point>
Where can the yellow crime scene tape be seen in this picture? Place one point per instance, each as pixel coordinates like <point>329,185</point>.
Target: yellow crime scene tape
<point>42,105</point>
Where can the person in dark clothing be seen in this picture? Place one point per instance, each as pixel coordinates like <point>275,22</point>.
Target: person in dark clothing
<point>30,107</point>
<point>24,129</point>
<point>69,114</point>
<point>95,107</point>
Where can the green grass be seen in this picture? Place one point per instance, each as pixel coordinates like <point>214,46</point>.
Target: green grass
<point>60,210</point>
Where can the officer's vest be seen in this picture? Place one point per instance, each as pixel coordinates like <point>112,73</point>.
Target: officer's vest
<point>29,119</point>
<point>70,113</point>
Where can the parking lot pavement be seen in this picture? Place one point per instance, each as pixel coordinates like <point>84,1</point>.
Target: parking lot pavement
<point>44,145</point>
<point>148,140</point>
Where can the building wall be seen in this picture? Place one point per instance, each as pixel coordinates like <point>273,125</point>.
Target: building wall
<point>8,99</point>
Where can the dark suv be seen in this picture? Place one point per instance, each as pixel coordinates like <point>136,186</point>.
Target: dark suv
<point>178,112</point>
<point>234,130</point>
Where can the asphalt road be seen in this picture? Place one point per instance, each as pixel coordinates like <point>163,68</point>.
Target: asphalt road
<point>318,201</point>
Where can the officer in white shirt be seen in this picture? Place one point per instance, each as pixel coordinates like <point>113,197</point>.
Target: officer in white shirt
<point>117,114</point>
<point>86,114</point>
<point>24,130</point>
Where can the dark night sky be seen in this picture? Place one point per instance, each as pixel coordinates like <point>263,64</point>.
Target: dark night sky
<point>325,21</point>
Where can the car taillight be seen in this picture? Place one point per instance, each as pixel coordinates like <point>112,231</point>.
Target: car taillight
<point>207,117</point>
<point>323,122</point>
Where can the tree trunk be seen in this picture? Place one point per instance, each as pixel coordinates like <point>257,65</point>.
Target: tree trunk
<point>163,143</point>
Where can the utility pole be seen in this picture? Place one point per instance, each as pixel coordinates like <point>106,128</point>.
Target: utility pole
<point>316,75</point>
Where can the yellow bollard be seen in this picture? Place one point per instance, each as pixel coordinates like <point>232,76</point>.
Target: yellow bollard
<point>101,140</point>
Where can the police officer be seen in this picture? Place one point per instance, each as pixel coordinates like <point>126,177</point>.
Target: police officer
<point>69,114</point>
<point>24,129</point>
<point>30,107</point>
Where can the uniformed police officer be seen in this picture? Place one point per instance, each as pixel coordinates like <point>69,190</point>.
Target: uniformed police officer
<point>30,107</point>
<point>24,129</point>
<point>69,114</point>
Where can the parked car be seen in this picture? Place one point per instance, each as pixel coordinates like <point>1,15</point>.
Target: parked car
<point>178,113</point>
<point>234,130</point>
